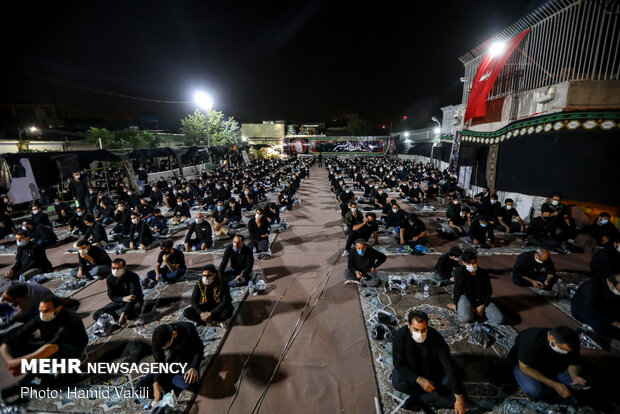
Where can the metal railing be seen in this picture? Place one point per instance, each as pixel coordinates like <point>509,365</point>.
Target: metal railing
<point>568,40</point>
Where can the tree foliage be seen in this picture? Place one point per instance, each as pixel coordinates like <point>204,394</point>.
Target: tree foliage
<point>359,128</point>
<point>121,139</point>
<point>222,130</point>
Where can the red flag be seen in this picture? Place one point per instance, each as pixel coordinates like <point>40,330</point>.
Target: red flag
<point>488,71</point>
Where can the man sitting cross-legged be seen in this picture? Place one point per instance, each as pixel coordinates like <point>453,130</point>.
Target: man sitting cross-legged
<point>362,265</point>
<point>535,269</point>
<point>125,292</point>
<point>211,301</point>
<point>170,266</point>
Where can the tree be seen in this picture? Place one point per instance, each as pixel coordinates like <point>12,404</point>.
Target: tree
<point>93,135</point>
<point>359,128</point>
<point>121,139</point>
<point>222,131</point>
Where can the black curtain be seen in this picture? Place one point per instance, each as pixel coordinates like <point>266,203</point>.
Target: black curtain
<point>475,156</point>
<point>579,165</point>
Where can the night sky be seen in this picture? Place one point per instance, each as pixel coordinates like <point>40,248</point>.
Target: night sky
<point>305,61</point>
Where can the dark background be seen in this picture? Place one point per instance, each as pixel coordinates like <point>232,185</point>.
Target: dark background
<point>313,60</point>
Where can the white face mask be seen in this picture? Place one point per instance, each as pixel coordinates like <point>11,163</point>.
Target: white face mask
<point>199,220</point>
<point>257,216</point>
<point>470,268</point>
<point>462,214</point>
<point>21,243</point>
<point>555,202</point>
<point>493,201</point>
<point>118,272</point>
<point>35,212</point>
<point>84,251</point>
<point>395,210</point>
<point>618,247</point>
<point>79,213</point>
<point>557,349</point>
<point>419,337</point>
<point>508,207</point>
<point>538,260</point>
<point>134,221</point>
<point>24,228</point>
<point>614,290</point>
<point>47,317</point>
<point>207,281</point>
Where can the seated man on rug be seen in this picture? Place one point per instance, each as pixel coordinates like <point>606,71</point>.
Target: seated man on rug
<point>416,195</point>
<point>508,219</point>
<point>93,261</point>
<point>23,300</point>
<point>272,213</point>
<point>481,233</point>
<point>202,229</point>
<point>6,225</point>
<point>259,233</point>
<point>472,292</point>
<point>606,261</point>
<point>175,342</point>
<point>546,363</point>
<point>597,304</point>
<point>379,198</point>
<point>528,270</point>
<point>158,223</point>
<point>41,234</point>
<point>424,368</point>
<point>38,216</point>
<point>241,260</point>
<point>353,217</point>
<point>453,209</point>
<point>395,216</point>
<point>233,212</point>
<point>181,212</point>
<point>445,266</point>
<point>219,219</point>
<point>122,218</point>
<point>170,266</point>
<point>544,232</point>
<point>94,230</point>
<point>30,259</point>
<point>140,235</point>
<point>603,230</point>
<point>344,198</point>
<point>106,214</point>
<point>413,231</point>
<point>362,265</point>
<point>363,231</point>
<point>61,335</point>
<point>125,292</point>
<point>490,209</point>
<point>145,208</point>
<point>211,300</point>
<point>76,223</point>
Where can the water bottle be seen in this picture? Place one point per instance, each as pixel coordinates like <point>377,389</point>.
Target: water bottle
<point>21,277</point>
<point>426,289</point>
<point>250,287</point>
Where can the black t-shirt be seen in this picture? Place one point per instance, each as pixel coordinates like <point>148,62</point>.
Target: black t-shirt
<point>532,348</point>
<point>369,228</point>
<point>507,215</point>
<point>176,257</point>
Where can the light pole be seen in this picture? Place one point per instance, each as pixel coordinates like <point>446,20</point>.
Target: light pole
<point>438,132</point>
<point>205,102</point>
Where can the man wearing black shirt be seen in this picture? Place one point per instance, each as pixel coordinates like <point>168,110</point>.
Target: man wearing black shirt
<point>156,196</point>
<point>395,217</point>
<point>122,219</point>
<point>181,342</point>
<point>170,265</point>
<point>444,268</point>
<point>202,229</point>
<point>528,270</point>
<point>79,192</point>
<point>481,233</point>
<point>76,223</point>
<point>211,300</point>
<point>606,261</point>
<point>140,235</point>
<point>505,218</point>
<point>259,233</point>
<point>597,304</point>
<point>38,216</point>
<point>424,368</point>
<point>93,261</point>
<point>546,363</point>
<point>363,231</point>
<point>602,230</point>
<point>181,212</point>
<point>41,234</point>
<point>125,292</point>
<point>30,259</point>
<point>472,292</point>
<point>145,209</point>
<point>413,231</point>
<point>94,230</point>
<point>543,232</point>
<point>106,213</point>
<point>61,335</point>
<point>241,260</point>
<point>362,265</point>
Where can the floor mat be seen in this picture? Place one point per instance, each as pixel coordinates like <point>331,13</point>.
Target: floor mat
<point>221,244</point>
<point>62,284</point>
<point>562,292</point>
<point>489,385</point>
<point>170,302</point>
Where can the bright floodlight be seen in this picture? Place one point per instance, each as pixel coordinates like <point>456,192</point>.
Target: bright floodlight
<point>436,130</point>
<point>203,100</point>
<point>33,129</point>
<point>406,134</point>
<point>497,48</point>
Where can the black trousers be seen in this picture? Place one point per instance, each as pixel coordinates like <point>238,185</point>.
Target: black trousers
<point>133,310</point>
<point>220,316</point>
<point>441,397</point>
<point>544,242</point>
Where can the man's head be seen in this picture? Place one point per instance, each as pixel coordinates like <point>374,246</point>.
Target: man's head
<point>119,267</point>
<point>371,217</point>
<point>546,211</point>
<point>83,245</point>
<point>49,307</point>
<point>613,282</point>
<point>22,238</point>
<point>395,208</point>
<point>135,218</point>
<point>563,340</point>
<point>209,274</point>
<point>484,221</point>
<point>80,211</point>
<point>15,293</point>
<point>361,246</point>
<point>417,321</point>
<point>470,260</point>
<point>200,218</point>
<point>509,203</point>
<point>494,198</point>
<point>166,245</point>
<point>144,201</point>
<point>36,209</point>
<point>76,176</point>
<point>237,242</point>
<point>27,225</point>
<point>603,218</point>
<point>541,255</point>
<point>89,220</point>
<point>455,253</point>
<point>163,336</point>
<point>353,207</point>
<point>555,200</point>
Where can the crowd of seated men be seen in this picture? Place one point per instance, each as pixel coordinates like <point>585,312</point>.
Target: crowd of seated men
<point>224,194</point>
<point>545,362</point>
